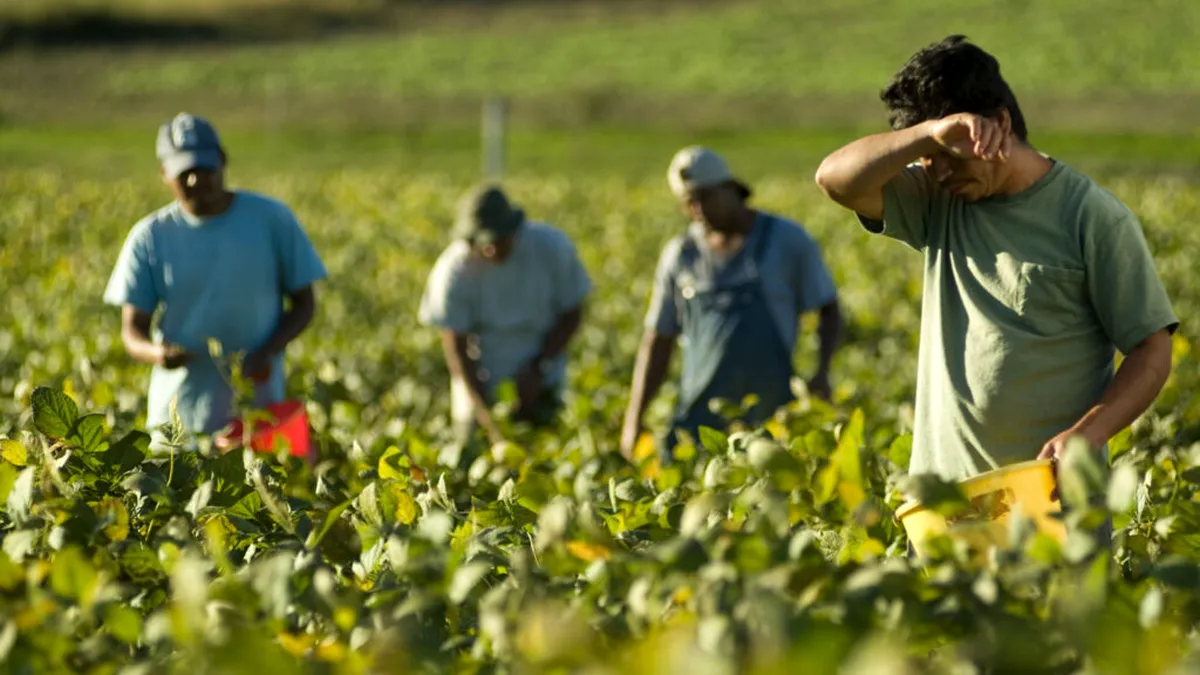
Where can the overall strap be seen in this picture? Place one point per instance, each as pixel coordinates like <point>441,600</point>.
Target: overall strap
<point>760,249</point>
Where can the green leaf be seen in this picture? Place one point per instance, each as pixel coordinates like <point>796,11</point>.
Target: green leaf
<point>900,451</point>
<point>54,413</point>
<point>20,497</point>
<point>632,490</point>
<point>140,564</point>
<point>1151,608</point>
<point>1179,572</point>
<point>123,623</point>
<point>128,452</point>
<point>13,452</point>
<point>945,497</point>
<point>115,517</point>
<point>12,575</point>
<point>8,477</point>
<point>72,576</point>
<point>19,544</point>
<point>1122,488</point>
<point>367,504</point>
<point>247,507</point>
<point>1081,475</point>
<point>315,538</point>
<point>465,579</point>
<point>394,465</point>
<point>88,433</point>
<point>713,440</point>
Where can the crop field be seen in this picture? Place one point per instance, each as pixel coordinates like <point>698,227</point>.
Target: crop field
<point>770,550</point>
<point>395,554</point>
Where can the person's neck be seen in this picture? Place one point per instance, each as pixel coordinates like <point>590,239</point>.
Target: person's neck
<point>737,227</point>
<point>211,210</point>
<point>1026,167</point>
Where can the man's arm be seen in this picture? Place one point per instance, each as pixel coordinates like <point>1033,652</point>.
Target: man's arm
<point>135,335</point>
<point>293,322</point>
<point>654,357</point>
<point>855,175</point>
<point>1137,382</point>
<point>560,335</point>
<point>830,330</point>
<point>461,365</point>
<point>529,379</point>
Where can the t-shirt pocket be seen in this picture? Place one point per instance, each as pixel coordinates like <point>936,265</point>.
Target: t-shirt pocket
<point>1052,299</point>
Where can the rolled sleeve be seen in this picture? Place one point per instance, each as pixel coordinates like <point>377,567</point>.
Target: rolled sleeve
<point>907,204</point>
<point>300,265</point>
<point>573,284</point>
<point>662,317</point>
<point>445,302</point>
<point>132,279</point>
<point>1123,282</point>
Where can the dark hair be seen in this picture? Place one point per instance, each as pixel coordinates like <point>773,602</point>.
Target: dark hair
<point>949,77</point>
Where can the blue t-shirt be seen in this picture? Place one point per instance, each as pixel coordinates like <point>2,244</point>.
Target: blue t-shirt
<point>222,277</point>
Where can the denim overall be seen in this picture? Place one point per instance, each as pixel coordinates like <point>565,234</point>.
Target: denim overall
<point>732,349</point>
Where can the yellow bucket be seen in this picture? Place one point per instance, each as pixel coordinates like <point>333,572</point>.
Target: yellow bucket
<point>993,495</point>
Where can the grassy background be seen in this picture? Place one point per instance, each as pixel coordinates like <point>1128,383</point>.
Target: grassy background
<point>610,86</point>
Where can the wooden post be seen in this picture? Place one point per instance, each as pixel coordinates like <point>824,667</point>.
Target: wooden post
<point>495,137</point>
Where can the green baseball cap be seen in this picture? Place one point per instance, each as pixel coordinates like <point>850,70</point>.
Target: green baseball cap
<point>485,215</point>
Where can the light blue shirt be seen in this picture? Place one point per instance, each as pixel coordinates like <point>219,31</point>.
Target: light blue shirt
<point>510,306</point>
<point>794,276</point>
<point>222,277</point>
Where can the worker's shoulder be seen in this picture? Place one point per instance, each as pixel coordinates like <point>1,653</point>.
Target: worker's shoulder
<point>787,228</point>
<point>548,234</point>
<point>258,205</point>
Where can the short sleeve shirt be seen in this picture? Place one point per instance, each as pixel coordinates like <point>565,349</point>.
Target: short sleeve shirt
<point>221,278</point>
<point>509,306</point>
<point>793,272</point>
<point>1026,298</point>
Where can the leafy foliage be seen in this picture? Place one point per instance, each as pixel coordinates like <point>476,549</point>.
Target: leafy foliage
<point>761,550</point>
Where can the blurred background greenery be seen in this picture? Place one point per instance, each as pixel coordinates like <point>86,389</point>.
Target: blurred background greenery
<point>594,85</point>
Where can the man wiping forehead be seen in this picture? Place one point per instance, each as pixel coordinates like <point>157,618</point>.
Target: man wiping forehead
<point>1034,274</point>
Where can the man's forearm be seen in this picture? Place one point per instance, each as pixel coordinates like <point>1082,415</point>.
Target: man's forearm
<point>462,366</point>
<point>293,322</point>
<point>140,347</point>
<point>829,334</point>
<point>560,335</point>
<point>649,372</point>
<point>855,175</point>
<point>1138,381</point>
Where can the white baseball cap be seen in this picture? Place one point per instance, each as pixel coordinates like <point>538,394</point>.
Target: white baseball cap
<point>697,167</point>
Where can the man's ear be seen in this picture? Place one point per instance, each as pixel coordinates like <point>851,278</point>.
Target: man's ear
<point>1005,121</point>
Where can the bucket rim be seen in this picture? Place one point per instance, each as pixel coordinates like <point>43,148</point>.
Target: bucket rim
<point>912,505</point>
<point>1008,469</point>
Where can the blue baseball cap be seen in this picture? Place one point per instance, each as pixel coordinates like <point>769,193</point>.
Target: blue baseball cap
<point>188,142</point>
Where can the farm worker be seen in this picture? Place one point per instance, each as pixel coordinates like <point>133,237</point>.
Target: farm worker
<point>219,263</point>
<point>507,296</point>
<point>732,289</point>
<point>1034,274</point>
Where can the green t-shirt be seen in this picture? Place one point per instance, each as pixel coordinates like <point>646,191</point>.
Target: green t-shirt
<point>1025,298</point>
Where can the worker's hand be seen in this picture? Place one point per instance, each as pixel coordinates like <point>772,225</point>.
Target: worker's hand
<point>630,433</point>
<point>819,386</point>
<point>171,356</point>
<point>529,388</point>
<point>1054,448</point>
<point>969,136</point>
<point>257,366</point>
